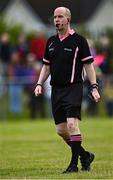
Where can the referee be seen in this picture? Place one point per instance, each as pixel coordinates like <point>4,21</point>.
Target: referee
<point>66,54</point>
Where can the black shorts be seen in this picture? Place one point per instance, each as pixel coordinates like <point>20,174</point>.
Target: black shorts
<point>66,102</point>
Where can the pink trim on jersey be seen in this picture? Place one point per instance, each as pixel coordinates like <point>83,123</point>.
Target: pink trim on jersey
<point>69,32</point>
<point>89,57</point>
<point>74,63</point>
<point>45,60</point>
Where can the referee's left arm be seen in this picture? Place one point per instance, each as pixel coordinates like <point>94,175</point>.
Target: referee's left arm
<point>90,71</point>
<point>87,60</point>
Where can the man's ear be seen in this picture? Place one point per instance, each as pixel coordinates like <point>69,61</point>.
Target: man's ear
<point>68,19</point>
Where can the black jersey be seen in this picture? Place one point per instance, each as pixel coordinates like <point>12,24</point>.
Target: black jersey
<point>66,59</point>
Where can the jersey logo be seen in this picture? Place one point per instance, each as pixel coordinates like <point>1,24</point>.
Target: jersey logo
<point>67,49</point>
<point>51,49</point>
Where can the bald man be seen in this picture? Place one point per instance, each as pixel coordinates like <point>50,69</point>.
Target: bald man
<point>66,54</point>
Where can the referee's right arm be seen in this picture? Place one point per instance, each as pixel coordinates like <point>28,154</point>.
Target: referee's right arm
<point>45,71</point>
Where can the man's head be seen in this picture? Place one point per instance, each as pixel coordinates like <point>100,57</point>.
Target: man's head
<point>62,18</point>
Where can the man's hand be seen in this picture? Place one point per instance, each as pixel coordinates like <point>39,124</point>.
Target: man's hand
<point>38,90</point>
<point>95,94</point>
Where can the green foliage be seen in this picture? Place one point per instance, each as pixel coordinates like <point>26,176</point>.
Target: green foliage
<point>3,26</point>
<point>109,34</point>
<point>14,32</point>
<point>32,150</point>
<point>82,29</point>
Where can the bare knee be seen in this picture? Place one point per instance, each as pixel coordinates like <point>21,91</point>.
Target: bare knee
<point>62,130</point>
<point>73,126</point>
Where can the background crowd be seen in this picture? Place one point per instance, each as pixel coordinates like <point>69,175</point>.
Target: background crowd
<point>20,65</point>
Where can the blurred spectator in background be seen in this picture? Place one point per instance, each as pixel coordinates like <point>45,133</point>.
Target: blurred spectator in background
<point>101,60</point>
<point>106,52</point>
<point>15,76</point>
<point>38,46</point>
<point>108,95</point>
<point>36,104</point>
<point>22,46</point>
<point>5,50</point>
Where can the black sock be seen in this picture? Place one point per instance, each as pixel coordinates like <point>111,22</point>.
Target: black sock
<point>75,148</point>
<point>82,151</point>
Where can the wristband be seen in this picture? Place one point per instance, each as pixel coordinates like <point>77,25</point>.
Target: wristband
<point>39,85</point>
<point>94,86</point>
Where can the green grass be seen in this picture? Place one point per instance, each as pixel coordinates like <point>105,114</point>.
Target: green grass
<point>32,150</point>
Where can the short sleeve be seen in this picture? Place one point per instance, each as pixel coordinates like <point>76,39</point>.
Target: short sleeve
<point>46,60</point>
<point>85,54</point>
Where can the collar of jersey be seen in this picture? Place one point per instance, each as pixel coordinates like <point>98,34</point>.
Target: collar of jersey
<point>69,32</point>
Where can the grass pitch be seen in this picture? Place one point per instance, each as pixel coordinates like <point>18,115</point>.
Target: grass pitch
<point>32,150</point>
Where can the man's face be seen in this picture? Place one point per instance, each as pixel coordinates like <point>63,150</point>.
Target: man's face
<point>60,19</point>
